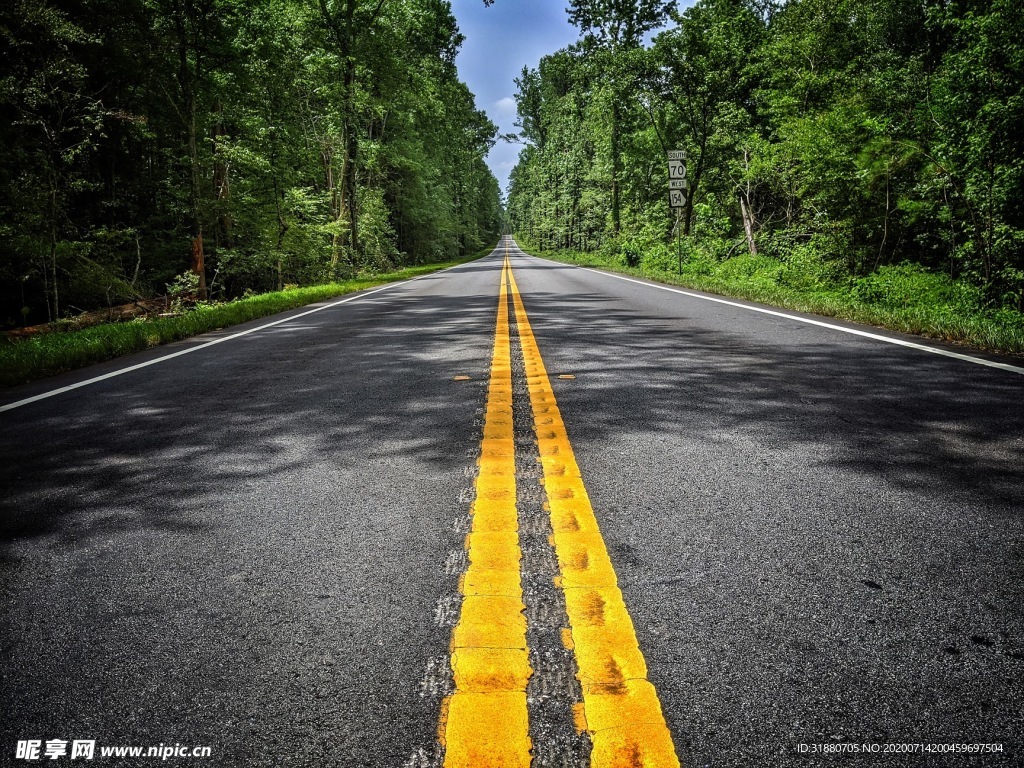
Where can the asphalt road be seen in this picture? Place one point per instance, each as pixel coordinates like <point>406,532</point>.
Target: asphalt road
<point>819,536</point>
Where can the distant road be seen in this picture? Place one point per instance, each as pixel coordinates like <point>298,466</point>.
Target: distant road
<point>700,532</point>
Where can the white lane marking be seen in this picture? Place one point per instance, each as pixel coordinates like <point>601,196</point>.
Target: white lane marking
<point>112,374</point>
<point>854,331</point>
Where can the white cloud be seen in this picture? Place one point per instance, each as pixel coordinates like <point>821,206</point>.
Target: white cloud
<point>505,107</point>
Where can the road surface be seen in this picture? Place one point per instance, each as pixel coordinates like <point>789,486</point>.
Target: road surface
<point>264,546</point>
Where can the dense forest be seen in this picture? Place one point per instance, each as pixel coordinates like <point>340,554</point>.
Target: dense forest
<point>829,140</point>
<point>227,146</point>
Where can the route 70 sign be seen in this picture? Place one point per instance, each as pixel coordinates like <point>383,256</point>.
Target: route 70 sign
<point>678,185</point>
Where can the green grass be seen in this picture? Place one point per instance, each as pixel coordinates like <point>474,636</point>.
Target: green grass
<point>901,298</point>
<point>51,353</point>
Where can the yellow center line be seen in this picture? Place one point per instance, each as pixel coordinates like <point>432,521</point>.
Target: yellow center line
<point>621,710</point>
<point>485,722</point>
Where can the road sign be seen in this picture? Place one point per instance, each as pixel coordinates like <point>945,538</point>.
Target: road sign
<point>676,169</point>
<point>678,193</point>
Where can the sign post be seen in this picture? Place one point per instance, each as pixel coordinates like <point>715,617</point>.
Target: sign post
<point>678,194</point>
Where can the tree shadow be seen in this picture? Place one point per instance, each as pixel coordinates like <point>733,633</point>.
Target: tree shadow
<point>921,420</point>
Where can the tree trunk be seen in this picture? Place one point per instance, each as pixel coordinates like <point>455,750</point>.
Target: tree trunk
<point>53,265</point>
<point>337,242</point>
<point>351,136</point>
<point>199,262</point>
<point>616,217</point>
<point>53,246</point>
<point>221,177</point>
<point>351,155</point>
<point>688,208</point>
<point>698,171</point>
<point>187,82</point>
<point>345,35</point>
<point>748,222</point>
<point>746,194</point>
<point>327,155</point>
<point>282,230</point>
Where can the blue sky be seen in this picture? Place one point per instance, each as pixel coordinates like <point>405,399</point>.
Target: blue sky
<point>500,41</point>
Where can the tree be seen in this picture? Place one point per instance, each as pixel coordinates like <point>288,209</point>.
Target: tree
<point>610,28</point>
<point>835,137</point>
<point>702,87</point>
<point>258,144</point>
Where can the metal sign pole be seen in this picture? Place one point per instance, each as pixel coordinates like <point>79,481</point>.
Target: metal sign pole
<point>679,234</point>
<point>678,193</point>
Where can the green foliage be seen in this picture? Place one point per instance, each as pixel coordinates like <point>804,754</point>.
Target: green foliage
<point>949,310</point>
<point>298,145</point>
<point>849,148</point>
<point>615,24</point>
<point>184,285</point>
<point>51,353</point>
<point>907,285</point>
<point>379,250</point>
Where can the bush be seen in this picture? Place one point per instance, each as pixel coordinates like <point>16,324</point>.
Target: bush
<point>904,298</point>
<point>808,267</point>
<point>751,269</point>
<point>910,285</point>
<point>51,353</point>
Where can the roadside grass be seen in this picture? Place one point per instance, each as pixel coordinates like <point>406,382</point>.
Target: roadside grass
<point>26,360</point>
<point>900,298</point>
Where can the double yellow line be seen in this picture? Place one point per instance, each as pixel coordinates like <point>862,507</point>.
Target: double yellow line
<point>485,722</point>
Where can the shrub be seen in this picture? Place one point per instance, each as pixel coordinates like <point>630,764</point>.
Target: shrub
<point>910,285</point>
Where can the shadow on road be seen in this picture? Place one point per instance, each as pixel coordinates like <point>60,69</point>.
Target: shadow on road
<point>375,381</point>
<point>916,420</point>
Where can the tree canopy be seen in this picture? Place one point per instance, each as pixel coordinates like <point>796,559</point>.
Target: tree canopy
<point>252,144</point>
<point>836,136</point>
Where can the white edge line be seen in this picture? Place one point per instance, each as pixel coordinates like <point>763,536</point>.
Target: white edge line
<point>112,374</point>
<point>854,331</point>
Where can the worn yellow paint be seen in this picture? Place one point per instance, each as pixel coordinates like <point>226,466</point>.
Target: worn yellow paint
<point>460,378</point>
<point>620,708</point>
<point>484,723</point>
